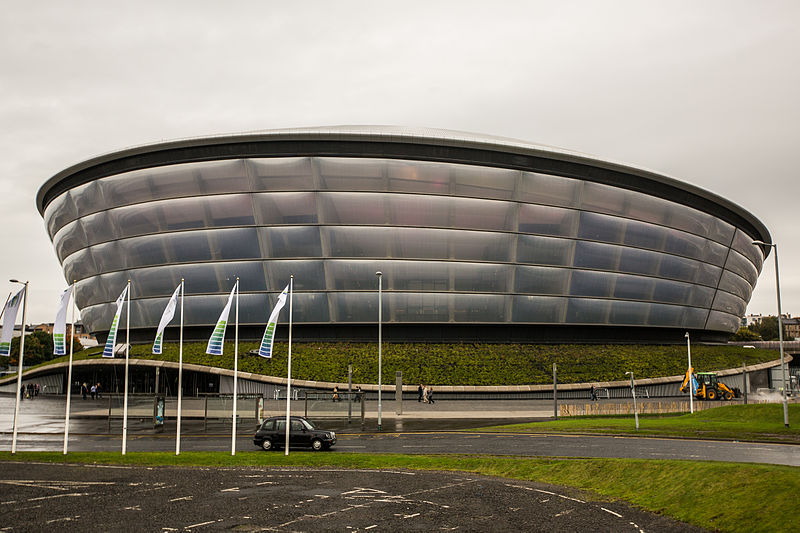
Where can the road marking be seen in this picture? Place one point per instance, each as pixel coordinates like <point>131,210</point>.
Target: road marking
<point>232,489</point>
<point>370,527</point>
<point>201,524</point>
<point>57,496</point>
<point>411,515</point>
<point>609,511</point>
<point>65,519</point>
<point>637,527</point>
<point>562,513</point>
<point>187,498</point>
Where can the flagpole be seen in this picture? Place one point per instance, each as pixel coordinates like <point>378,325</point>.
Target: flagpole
<point>127,357</point>
<point>69,373</point>
<point>180,380</point>
<point>289,371</point>
<point>19,367</point>
<point>235,369</point>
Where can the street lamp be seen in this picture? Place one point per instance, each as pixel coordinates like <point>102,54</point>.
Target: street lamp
<point>635,410</point>
<point>380,343</point>
<point>780,330</point>
<point>691,385</point>
<point>19,363</point>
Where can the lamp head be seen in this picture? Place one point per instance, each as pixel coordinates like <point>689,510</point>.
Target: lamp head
<point>378,273</point>
<point>687,335</point>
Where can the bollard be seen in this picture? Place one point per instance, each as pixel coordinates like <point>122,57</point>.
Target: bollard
<point>398,393</point>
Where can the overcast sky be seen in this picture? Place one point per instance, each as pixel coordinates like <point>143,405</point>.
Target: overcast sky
<point>703,91</point>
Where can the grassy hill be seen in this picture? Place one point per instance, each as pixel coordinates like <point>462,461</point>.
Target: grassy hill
<point>465,364</point>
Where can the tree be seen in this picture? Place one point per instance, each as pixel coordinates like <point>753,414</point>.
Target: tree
<point>38,349</point>
<point>767,327</point>
<point>745,335</point>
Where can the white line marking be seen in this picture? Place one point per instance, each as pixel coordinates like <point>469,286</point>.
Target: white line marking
<point>609,511</point>
<point>65,519</point>
<point>200,524</point>
<point>187,498</point>
<point>232,489</point>
<point>405,516</point>
<point>370,527</point>
<point>57,496</point>
<point>637,527</point>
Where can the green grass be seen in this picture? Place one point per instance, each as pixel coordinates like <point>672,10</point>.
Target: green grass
<point>739,422</point>
<point>463,364</point>
<point>715,495</point>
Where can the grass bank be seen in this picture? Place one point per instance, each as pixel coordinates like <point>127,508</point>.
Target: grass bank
<point>721,496</point>
<point>464,364</point>
<point>760,422</point>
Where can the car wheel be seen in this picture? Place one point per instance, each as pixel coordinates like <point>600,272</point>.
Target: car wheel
<point>316,445</point>
<point>267,445</point>
<point>727,395</point>
<point>711,394</point>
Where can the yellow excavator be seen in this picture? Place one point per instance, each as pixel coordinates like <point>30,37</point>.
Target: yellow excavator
<point>707,386</point>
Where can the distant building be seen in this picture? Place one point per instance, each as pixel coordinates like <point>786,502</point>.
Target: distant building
<point>791,326</point>
<point>750,320</point>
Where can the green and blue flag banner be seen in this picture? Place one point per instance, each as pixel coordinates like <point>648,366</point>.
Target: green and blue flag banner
<point>60,325</point>
<point>218,337</point>
<point>166,318</point>
<point>269,334</point>
<point>108,351</point>
<point>9,319</point>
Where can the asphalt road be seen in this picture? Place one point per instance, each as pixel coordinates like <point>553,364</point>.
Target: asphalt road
<point>39,497</point>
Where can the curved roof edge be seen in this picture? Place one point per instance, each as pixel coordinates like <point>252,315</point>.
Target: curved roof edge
<point>396,135</point>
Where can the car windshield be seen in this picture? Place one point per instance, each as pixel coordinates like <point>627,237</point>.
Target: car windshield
<point>309,425</point>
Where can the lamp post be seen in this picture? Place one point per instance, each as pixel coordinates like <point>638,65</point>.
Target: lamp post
<point>380,343</point>
<point>780,330</point>
<point>691,385</point>
<point>19,363</point>
<point>633,393</point>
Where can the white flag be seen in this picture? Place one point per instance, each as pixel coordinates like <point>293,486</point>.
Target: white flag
<point>166,318</point>
<point>218,336</point>
<point>265,350</point>
<point>9,319</point>
<point>108,351</point>
<point>60,325</point>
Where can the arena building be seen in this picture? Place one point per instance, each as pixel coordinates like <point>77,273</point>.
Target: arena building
<point>479,239</point>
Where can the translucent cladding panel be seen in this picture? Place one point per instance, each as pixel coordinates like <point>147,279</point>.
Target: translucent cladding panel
<point>681,243</point>
<point>643,235</point>
<point>352,174</point>
<point>550,190</point>
<point>202,278</point>
<point>547,220</point>
<point>234,243</point>
<point>723,322</point>
<point>150,250</point>
<point>419,275</point>
<point>743,244</point>
<point>285,208</point>
<point>97,317</point>
<point>206,309</point>
<point>605,199</point>
<point>59,212</point>
<point>420,307</point>
<point>629,287</point>
<point>161,281</point>
<point>69,239</point>
<point>172,181</point>
<point>357,275</point>
<point>681,268</point>
<point>484,182</point>
<point>352,208</point>
<point>419,176</point>
<point>88,198</point>
<point>98,228</point>
<point>639,261</point>
<point>739,264</point>
<point>735,284</point>
<point>418,210</point>
<point>79,265</point>
<point>728,303</point>
<point>587,311</point>
<point>308,275</point>
<point>109,256</point>
<point>601,227</point>
<point>695,221</point>
<point>308,307</point>
<point>90,291</point>
<point>683,293</point>
<point>357,306</point>
<point>282,174</point>
<point>418,243</point>
<point>677,316</point>
<point>480,277</point>
<point>630,313</point>
<point>290,241</point>
<point>586,283</point>
<point>538,309</point>
<point>545,250</point>
<point>541,280</point>
<point>471,308</point>
<point>482,214</point>
<point>597,256</point>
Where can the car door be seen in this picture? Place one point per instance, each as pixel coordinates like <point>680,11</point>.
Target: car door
<point>299,436</point>
<point>278,434</point>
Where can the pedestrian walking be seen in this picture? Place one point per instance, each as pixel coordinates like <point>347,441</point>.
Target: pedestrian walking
<point>430,395</point>
<point>93,391</point>
<point>99,391</point>
<point>593,393</point>
<point>420,391</point>
<point>84,390</point>
<point>335,394</point>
